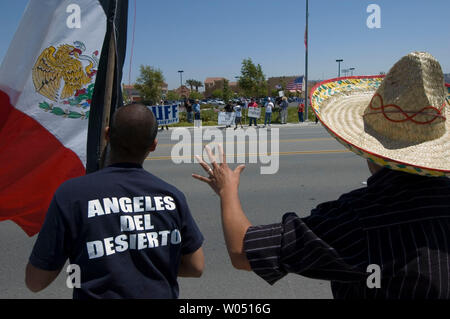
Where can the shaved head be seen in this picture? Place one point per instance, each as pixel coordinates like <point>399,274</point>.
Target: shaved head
<point>133,131</point>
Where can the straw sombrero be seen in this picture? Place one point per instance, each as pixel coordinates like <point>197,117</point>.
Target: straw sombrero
<point>400,121</point>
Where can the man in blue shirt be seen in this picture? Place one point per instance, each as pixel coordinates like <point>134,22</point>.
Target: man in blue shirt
<point>197,113</point>
<point>131,233</point>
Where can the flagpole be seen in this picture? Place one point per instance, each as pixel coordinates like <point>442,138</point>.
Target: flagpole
<point>107,92</point>
<point>108,96</point>
<point>306,61</point>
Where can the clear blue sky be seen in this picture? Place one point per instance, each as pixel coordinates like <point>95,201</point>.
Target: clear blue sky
<point>210,38</point>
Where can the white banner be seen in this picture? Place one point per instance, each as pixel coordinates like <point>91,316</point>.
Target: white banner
<point>226,118</point>
<point>254,112</point>
<point>166,114</point>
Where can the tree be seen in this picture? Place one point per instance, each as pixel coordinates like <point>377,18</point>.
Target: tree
<point>173,96</point>
<point>226,91</point>
<point>252,80</point>
<point>292,94</point>
<point>194,83</point>
<point>217,94</point>
<point>125,96</point>
<point>195,95</point>
<point>149,84</point>
<point>198,84</point>
<point>283,84</point>
<point>191,83</point>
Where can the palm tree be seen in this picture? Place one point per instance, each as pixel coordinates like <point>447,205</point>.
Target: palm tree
<point>191,83</point>
<point>198,84</point>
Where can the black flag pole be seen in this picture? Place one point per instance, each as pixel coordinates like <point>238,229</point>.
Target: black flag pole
<point>107,95</point>
<point>108,98</point>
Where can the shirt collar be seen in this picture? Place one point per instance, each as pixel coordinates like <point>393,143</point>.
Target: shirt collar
<point>389,176</point>
<point>126,165</point>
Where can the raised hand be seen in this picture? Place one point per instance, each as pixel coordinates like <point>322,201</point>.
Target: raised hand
<point>221,178</point>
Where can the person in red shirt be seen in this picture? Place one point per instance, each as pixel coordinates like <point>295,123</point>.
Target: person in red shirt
<point>301,109</point>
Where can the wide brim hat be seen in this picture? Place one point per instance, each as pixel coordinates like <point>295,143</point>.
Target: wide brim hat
<point>400,121</point>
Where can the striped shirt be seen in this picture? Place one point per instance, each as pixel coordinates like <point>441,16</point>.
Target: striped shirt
<point>400,222</point>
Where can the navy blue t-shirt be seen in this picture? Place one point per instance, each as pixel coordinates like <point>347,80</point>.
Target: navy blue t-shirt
<point>125,228</point>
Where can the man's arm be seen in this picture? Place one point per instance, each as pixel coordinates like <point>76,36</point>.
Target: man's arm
<point>37,279</point>
<point>235,225</point>
<point>225,183</point>
<point>192,265</point>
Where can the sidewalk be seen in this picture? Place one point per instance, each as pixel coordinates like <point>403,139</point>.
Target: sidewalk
<point>288,125</point>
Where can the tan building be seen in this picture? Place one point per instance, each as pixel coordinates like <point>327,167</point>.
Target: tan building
<point>234,86</point>
<point>210,83</point>
<point>183,91</point>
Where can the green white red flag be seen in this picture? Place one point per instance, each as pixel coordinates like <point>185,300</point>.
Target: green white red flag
<point>51,85</point>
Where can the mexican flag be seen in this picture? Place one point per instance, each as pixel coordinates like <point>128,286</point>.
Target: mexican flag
<point>52,90</point>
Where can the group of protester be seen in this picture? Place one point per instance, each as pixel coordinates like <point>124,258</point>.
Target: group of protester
<point>193,111</point>
<point>281,104</point>
<point>133,235</point>
<point>270,107</point>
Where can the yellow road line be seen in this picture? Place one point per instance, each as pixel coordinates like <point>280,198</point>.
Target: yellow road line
<point>246,141</point>
<point>160,158</point>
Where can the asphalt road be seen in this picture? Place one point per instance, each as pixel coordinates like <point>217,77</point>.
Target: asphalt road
<point>313,168</point>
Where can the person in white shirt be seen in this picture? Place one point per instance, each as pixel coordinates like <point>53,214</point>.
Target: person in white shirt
<point>238,111</point>
<point>269,108</point>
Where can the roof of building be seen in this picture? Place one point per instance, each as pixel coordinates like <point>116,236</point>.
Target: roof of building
<point>209,80</point>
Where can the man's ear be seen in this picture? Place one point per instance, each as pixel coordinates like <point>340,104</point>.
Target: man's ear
<point>153,147</point>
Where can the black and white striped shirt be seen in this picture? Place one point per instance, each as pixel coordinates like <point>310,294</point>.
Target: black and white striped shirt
<point>400,222</point>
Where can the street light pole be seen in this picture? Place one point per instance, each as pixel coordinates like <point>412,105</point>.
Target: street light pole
<point>181,78</point>
<point>339,66</point>
<point>352,69</point>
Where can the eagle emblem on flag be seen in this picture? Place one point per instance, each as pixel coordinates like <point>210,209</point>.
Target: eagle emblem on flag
<point>65,76</point>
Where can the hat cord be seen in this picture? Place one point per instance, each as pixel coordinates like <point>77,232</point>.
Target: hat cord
<point>437,113</point>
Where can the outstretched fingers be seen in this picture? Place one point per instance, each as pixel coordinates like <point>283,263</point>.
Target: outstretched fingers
<point>202,178</point>
<point>212,158</point>
<point>239,169</point>
<point>222,156</point>
<point>204,165</point>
